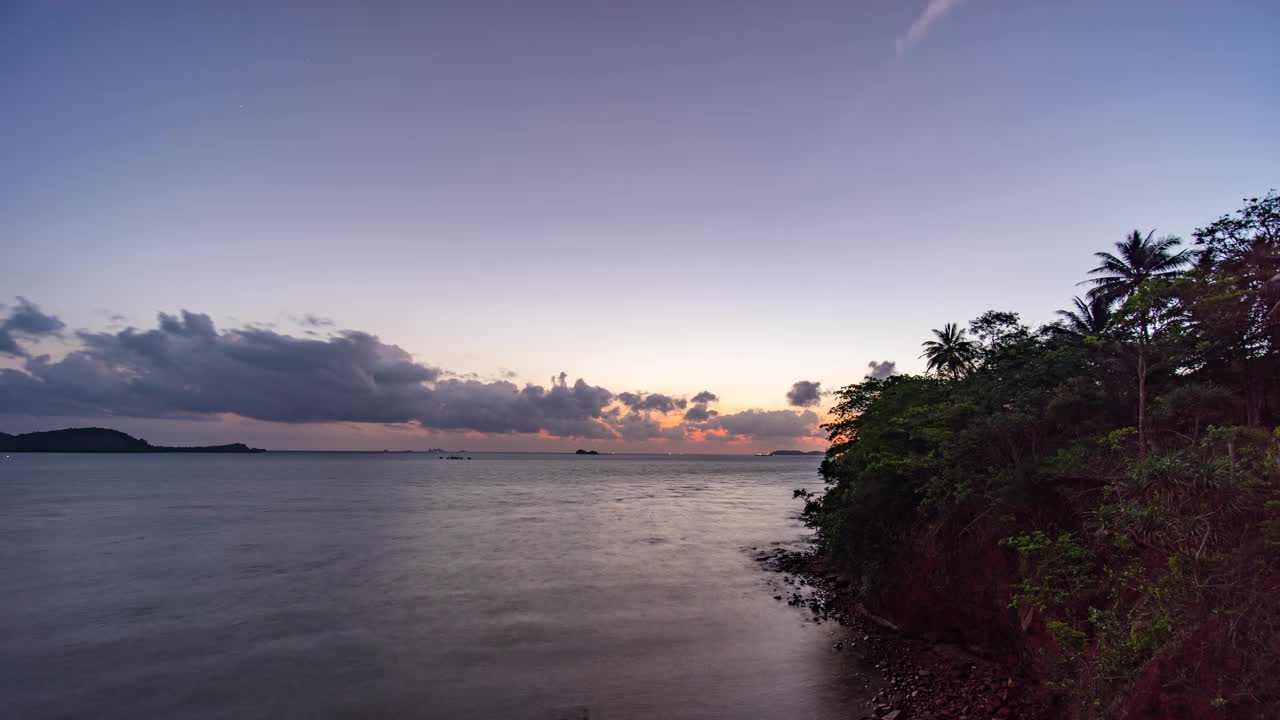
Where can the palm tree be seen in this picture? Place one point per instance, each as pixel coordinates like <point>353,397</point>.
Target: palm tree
<point>951,352</point>
<point>1091,318</point>
<point>1138,259</point>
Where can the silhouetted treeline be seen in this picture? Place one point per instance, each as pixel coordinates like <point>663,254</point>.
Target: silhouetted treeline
<point>101,440</point>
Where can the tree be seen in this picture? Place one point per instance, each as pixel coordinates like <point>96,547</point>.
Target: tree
<point>879,459</point>
<point>951,352</point>
<point>994,328</point>
<point>1139,260</point>
<point>1026,439</point>
<point>1091,317</point>
<point>1235,298</point>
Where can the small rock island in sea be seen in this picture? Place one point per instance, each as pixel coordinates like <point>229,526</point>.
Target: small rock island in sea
<point>102,440</point>
<point>580,451</point>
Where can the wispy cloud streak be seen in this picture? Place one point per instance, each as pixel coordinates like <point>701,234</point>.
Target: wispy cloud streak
<point>933,12</point>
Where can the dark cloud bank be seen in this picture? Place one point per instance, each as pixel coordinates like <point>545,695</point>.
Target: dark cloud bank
<point>186,367</point>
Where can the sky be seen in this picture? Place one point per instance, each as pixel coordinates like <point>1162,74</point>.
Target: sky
<point>414,213</point>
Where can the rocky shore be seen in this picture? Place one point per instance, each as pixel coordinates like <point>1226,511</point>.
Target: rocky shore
<point>920,677</point>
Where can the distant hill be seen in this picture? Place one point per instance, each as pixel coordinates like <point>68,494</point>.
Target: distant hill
<point>797,452</point>
<point>101,440</point>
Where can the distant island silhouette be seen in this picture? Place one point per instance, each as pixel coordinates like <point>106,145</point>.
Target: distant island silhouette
<point>102,440</point>
<point>580,451</point>
<point>797,452</point>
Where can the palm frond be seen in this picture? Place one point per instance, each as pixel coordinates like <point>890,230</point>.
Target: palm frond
<point>1138,258</point>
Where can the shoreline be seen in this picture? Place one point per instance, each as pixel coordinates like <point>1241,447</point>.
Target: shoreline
<point>921,678</point>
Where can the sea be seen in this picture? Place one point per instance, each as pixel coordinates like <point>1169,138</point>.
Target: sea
<point>356,585</point>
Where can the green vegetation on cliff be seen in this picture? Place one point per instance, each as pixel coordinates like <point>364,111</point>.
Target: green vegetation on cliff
<point>1123,464</point>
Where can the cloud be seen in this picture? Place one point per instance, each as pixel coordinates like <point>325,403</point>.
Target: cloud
<point>26,320</point>
<point>805,393</point>
<point>699,413</point>
<point>768,423</point>
<point>188,367</point>
<point>655,402</point>
<point>934,11</point>
<point>313,321</point>
<point>564,410</point>
<point>638,428</point>
<point>881,370</point>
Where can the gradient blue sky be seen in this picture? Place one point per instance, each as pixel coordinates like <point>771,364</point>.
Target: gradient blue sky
<point>660,196</point>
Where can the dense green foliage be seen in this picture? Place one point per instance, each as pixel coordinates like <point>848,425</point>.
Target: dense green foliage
<point>1128,454</point>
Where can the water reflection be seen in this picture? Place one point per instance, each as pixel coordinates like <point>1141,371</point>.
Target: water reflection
<point>352,585</point>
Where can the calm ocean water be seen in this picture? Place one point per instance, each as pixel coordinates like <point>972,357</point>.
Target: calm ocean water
<point>345,585</point>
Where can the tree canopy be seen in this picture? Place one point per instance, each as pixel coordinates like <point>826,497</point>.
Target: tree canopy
<point>1134,439</point>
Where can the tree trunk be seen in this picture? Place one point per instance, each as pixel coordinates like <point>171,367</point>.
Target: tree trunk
<point>1252,395</point>
<point>1142,401</point>
<point>1143,339</point>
